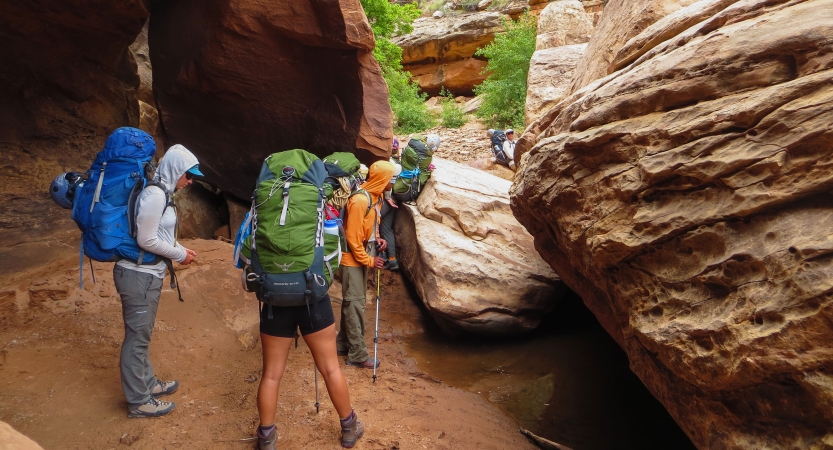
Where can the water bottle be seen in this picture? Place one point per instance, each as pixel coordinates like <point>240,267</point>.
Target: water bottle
<point>331,226</point>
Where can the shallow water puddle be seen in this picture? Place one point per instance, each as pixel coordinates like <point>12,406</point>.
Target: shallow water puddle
<point>568,381</point>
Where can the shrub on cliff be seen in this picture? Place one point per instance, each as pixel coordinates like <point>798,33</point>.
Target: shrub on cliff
<point>407,102</point>
<point>451,115</point>
<point>504,91</point>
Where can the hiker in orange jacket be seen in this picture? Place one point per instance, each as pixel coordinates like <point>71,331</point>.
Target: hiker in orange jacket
<point>363,242</point>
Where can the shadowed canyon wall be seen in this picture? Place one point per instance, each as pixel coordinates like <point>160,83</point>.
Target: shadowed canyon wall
<point>238,80</point>
<point>67,79</point>
<point>686,197</point>
<point>234,81</point>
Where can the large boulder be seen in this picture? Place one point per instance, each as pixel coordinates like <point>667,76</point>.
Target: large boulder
<point>471,262</point>
<point>440,52</point>
<point>550,73</point>
<point>67,79</point>
<point>238,81</point>
<point>563,23</point>
<point>686,198</point>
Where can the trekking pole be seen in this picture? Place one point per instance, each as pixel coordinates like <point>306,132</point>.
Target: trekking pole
<point>315,370</point>
<point>376,337</point>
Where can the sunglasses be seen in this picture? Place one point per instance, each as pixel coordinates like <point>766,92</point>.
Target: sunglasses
<point>189,176</point>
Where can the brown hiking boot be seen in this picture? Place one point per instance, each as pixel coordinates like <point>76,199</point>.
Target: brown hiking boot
<point>351,431</point>
<point>268,442</point>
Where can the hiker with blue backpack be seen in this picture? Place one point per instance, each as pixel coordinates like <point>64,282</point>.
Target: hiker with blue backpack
<point>140,286</point>
<point>123,206</point>
<point>363,242</point>
<point>499,147</point>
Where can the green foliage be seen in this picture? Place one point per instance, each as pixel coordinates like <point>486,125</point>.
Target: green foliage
<point>504,91</point>
<point>451,116</point>
<point>407,102</point>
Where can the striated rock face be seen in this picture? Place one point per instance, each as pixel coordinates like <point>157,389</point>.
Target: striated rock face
<point>621,21</point>
<point>550,73</point>
<point>471,262</point>
<point>238,81</point>
<point>686,198</point>
<point>563,23</point>
<point>440,52</point>
<point>67,79</point>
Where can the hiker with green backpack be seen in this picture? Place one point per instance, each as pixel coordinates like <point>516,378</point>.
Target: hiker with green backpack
<point>363,242</point>
<point>284,249</point>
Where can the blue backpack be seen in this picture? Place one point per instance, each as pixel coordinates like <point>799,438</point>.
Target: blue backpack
<point>104,206</point>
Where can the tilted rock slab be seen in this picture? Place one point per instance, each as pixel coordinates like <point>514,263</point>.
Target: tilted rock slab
<point>687,199</point>
<point>472,263</point>
<point>239,80</point>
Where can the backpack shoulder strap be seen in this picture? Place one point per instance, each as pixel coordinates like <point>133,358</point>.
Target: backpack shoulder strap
<point>369,200</point>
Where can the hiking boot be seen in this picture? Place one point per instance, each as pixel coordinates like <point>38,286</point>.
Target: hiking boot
<point>351,431</point>
<point>153,408</point>
<point>368,363</point>
<point>512,165</point>
<point>268,442</point>
<point>341,352</point>
<point>164,388</point>
<point>392,265</point>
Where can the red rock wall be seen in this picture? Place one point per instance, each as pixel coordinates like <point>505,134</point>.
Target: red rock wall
<point>686,198</point>
<point>67,79</point>
<point>238,80</point>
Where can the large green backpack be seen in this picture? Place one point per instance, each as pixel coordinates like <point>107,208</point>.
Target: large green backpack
<point>284,255</point>
<point>415,161</point>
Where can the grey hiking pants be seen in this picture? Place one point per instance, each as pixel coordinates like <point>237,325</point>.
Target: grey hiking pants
<point>350,336</point>
<point>139,301</point>
<point>386,228</point>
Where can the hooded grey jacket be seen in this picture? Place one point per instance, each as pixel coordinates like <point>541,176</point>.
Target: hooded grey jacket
<point>155,231</point>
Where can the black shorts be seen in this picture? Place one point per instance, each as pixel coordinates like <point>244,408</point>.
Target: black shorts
<point>285,319</point>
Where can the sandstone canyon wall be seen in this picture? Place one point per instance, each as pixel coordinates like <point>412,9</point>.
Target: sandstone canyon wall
<point>685,195</point>
<point>67,79</point>
<point>239,80</point>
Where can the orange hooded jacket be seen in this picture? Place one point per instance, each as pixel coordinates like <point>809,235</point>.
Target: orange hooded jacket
<point>359,227</point>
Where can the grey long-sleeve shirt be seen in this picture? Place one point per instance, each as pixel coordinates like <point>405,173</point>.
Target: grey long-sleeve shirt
<point>155,230</point>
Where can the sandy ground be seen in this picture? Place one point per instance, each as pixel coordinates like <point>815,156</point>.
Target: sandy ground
<point>59,377</point>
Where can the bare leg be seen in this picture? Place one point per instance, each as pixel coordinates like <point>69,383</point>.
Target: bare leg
<point>322,345</point>
<point>275,352</point>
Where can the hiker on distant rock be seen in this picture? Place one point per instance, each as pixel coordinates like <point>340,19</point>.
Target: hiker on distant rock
<point>362,231</point>
<point>509,147</point>
<point>141,285</point>
<point>389,207</point>
<point>498,138</point>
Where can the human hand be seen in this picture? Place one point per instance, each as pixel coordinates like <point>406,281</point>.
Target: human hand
<point>382,245</point>
<point>378,263</point>
<point>189,256</point>
<point>392,203</point>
